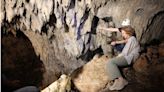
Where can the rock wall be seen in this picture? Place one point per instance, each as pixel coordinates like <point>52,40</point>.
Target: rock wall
<point>142,13</point>
<point>63,32</point>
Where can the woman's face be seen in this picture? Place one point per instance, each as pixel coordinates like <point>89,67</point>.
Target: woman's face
<point>124,34</point>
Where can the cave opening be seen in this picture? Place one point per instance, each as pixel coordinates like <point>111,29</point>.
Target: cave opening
<point>154,29</point>
<point>20,65</point>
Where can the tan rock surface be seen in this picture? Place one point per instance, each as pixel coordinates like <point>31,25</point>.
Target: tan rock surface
<point>93,76</point>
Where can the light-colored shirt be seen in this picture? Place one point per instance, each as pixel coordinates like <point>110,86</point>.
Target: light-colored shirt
<point>131,50</point>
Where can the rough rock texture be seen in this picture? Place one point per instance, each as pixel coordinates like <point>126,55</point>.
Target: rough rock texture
<point>63,84</point>
<point>93,76</point>
<point>63,32</point>
<point>149,68</point>
<point>144,15</point>
<point>151,56</point>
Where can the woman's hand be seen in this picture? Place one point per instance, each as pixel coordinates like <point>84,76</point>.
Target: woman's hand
<point>113,43</point>
<point>99,30</point>
<point>119,55</point>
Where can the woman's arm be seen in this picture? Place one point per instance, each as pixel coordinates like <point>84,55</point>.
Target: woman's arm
<point>118,42</point>
<point>109,29</point>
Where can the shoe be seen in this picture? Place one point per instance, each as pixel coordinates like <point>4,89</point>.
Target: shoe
<point>120,84</point>
<point>114,84</point>
<point>109,84</point>
<point>106,89</point>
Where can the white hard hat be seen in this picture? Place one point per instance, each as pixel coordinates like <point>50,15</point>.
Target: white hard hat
<point>125,22</point>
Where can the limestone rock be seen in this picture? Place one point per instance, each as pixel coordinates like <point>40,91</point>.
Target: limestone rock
<point>104,38</point>
<point>152,57</point>
<point>141,64</point>
<point>93,76</point>
<point>63,84</point>
<point>161,50</point>
<point>2,12</point>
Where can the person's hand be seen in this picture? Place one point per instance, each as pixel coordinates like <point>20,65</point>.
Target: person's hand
<point>119,55</point>
<point>113,43</point>
<point>100,30</point>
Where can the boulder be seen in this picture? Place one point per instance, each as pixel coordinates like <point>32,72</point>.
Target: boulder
<point>63,84</point>
<point>141,64</point>
<point>161,50</point>
<point>92,77</point>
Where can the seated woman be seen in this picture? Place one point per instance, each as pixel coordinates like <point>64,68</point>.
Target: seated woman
<point>128,55</point>
<point>118,45</point>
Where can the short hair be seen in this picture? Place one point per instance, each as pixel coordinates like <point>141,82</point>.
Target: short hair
<point>128,30</point>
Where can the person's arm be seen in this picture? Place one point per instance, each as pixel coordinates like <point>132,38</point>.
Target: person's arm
<point>109,29</point>
<point>118,42</point>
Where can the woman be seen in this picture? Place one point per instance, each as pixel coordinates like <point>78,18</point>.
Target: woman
<point>118,45</point>
<point>128,55</point>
